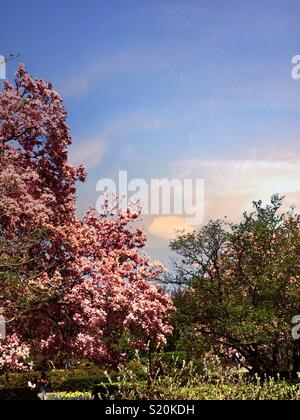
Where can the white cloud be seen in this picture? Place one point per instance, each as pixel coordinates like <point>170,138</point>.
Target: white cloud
<point>231,186</point>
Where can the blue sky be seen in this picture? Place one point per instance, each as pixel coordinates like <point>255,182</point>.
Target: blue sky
<point>168,87</point>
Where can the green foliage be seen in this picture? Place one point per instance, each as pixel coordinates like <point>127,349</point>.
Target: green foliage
<point>18,394</point>
<point>174,380</point>
<point>241,289</point>
<point>186,383</point>
<point>81,379</point>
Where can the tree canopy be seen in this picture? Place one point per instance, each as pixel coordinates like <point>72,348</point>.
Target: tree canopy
<point>242,286</point>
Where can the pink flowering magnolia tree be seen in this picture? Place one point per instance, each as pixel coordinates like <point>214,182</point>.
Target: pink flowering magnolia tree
<point>14,355</point>
<point>69,288</point>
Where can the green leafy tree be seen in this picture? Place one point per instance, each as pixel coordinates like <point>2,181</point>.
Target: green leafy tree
<point>242,286</point>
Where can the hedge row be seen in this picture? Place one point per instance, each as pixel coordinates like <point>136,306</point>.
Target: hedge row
<point>18,394</point>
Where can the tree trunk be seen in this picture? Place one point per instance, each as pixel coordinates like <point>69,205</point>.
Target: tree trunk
<point>296,360</point>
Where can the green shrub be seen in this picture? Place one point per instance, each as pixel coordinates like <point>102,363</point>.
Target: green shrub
<point>60,380</point>
<point>186,383</point>
<point>106,391</point>
<point>15,380</point>
<point>173,381</point>
<point>18,394</point>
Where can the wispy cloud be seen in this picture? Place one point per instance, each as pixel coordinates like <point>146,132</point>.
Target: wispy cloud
<point>232,185</point>
<point>128,61</point>
<point>90,152</point>
<point>230,188</point>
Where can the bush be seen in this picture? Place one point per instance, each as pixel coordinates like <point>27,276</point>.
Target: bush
<point>186,383</point>
<point>15,380</point>
<point>174,381</point>
<point>18,394</point>
<point>60,380</point>
<point>106,391</point>
<point>70,382</point>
